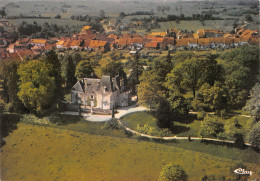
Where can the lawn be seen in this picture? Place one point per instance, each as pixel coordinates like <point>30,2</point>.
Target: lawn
<point>143,118</point>
<point>43,153</point>
<point>190,127</point>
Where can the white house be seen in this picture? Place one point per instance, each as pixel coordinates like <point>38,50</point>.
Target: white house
<point>104,93</point>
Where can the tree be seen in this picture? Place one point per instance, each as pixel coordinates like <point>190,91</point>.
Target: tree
<point>2,12</point>
<point>253,103</point>
<point>173,172</point>
<point>210,127</point>
<point>136,70</point>
<point>70,73</point>
<point>37,86</point>
<point>76,58</point>
<point>240,69</point>
<point>114,68</point>
<point>253,136</point>
<point>179,107</point>
<point>163,115</point>
<point>122,15</point>
<point>10,82</point>
<point>210,98</point>
<point>102,13</point>
<point>150,90</point>
<point>58,16</point>
<point>186,75</point>
<point>84,70</point>
<point>239,141</point>
<point>248,17</point>
<point>51,58</point>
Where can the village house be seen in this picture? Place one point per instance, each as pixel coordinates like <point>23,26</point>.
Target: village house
<point>98,45</point>
<point>152,45</point>
<point>59,44</point>
<point>105,93</point>
<point>38,42</point>
<point>74,45</point>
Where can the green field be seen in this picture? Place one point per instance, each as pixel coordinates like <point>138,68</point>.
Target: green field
<point>59,22</point>
<point>225,25</point>
<point>42,153</point>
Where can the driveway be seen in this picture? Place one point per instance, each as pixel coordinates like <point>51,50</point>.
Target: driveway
<point>126,110</point>
<point>103,118</point>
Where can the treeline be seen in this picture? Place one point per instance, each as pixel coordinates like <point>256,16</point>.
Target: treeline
<point>44,31</point>
<point>22,16</point>
<point>137,13</point>
<point>181,17</point>
<point>92,21</point>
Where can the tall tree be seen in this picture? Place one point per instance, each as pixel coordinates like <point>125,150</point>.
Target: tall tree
<point>76,58</point>
<point>37,86</point>
<point>102,13</point>
<point>70,73</point>
<point>179,107</point>
<point>150,90</point>
<point>253,136</point>
<point>11,79</point>
<point>51,58</point>
<point>241,69</point>
<point>2,12</point>
<point>114,68</point>
<point>210,98</point>
<point>186,75</point>
<point>136,70</point>
<point>84,70</point>
<point>253,103</point>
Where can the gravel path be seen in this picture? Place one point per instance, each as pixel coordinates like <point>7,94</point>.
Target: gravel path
<point>174,137</point>
<point>102,118</point>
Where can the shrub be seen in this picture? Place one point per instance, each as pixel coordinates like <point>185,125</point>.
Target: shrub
<point>172,172</point>
<point>201,115</point>
<point>210,127</point>
<point>58,16</point>
<point>30,118</point>
<point>113,124</point>
<point>239,141</point>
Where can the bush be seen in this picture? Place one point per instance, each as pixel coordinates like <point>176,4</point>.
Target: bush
<point>58,16</point>
<point>172,172</point>
<point>32,119</point>
<point>201,115</point>
<point>239,141</point>
<point>211,127</point>
<point>113,124</point>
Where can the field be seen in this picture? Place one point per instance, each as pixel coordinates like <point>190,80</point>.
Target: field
<point>60,22</point>
<point>44,153</point>
<point>66,9</point>
<point>225,25</point>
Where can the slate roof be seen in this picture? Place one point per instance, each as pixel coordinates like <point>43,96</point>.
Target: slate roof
<point>106,82</point>
<point>78,87</point>
<point>93,85</point>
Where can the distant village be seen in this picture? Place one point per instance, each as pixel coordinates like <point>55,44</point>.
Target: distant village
<point>90,40</point>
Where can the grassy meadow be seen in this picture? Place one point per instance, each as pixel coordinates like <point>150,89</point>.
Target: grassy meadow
<point>34,152</point>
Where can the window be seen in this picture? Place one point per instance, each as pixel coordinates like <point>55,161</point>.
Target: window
<point>91,97</point>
